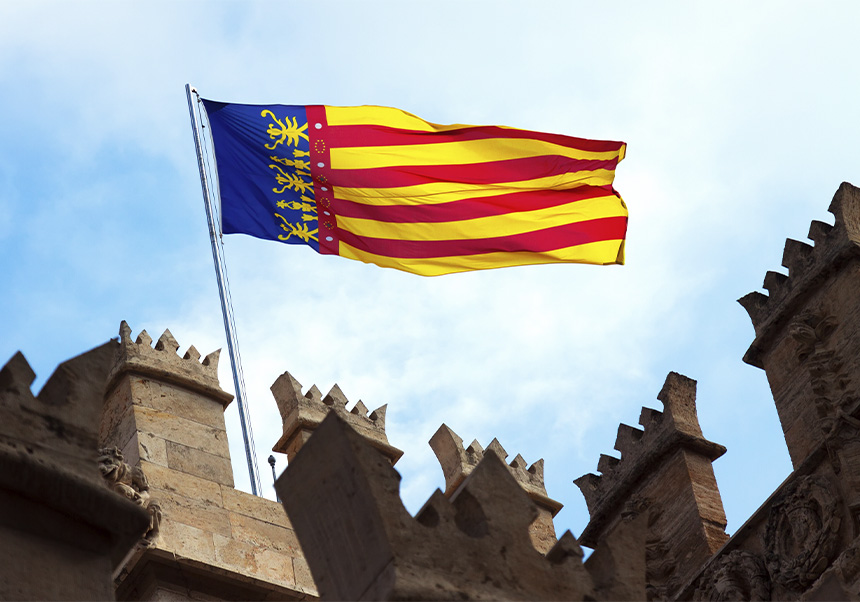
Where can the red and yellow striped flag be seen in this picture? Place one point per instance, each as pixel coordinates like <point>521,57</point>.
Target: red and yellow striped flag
<point>385,187</point>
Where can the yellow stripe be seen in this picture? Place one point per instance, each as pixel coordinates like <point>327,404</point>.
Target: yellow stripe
<point>443,192</point>
<point>465,152</point>
<point>507,224</point>
<point>384,116</point>
<point>604,252</point>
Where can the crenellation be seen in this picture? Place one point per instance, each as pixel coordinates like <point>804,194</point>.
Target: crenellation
<point>142,339</point>
<point>192,354</point>
<point>819,232</point>
<point>667,464</point>
<point>473,545</point>
<point>627,440</point>
<point>776,284</point>
<point>359,409</point>
<point>755,303</point>
<point>657,523</point>
<point>678,396</point>
<point>607,464</point>
<point>797,257</point>
<point>164,363</point>
<point>805,366</point>
<point>458,462</point>
<point>167,342</point>
<point>16,377</point>
<point>649,417</point>
<point>302,414</point>
<point>808,267</point>
<point>335,397</point>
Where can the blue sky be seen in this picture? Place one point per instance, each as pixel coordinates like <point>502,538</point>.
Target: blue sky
<point>741,121</point>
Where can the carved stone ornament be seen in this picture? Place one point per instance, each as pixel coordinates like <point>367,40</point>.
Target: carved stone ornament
<point>802,533</point>
<point>738,575</point>
<point>811,330</point>
<point>132,484</point>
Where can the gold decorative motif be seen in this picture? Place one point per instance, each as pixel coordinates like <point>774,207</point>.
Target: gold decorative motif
<point>298,215</point>
<point>291,133</point>
<point>291,181</point>
<point>306,204</point>
<point>298,164</point>
<point>298,230</point>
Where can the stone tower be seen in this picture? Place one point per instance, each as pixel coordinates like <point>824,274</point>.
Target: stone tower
<point>665,473</point>
<point>804,328</point>
<point>164,414</point>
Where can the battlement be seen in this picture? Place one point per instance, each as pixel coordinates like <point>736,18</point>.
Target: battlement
<point>55,504</point>
<point>162,362</point>
<point>302,414</point>
<point>475,545</point>
<point>643,449</point>
<point>458,462</point>
<point>809,266</point>
<point>665,473</point>
<point>68,406</point>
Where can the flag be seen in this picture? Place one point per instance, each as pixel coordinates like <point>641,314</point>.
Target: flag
<point>383,186</point>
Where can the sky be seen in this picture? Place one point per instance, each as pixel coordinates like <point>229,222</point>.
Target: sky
<point>741,121</point>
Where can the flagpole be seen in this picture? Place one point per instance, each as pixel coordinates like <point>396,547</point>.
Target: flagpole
<point>226,308</point>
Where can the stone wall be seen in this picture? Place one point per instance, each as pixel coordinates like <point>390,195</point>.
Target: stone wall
<point>115,480</point>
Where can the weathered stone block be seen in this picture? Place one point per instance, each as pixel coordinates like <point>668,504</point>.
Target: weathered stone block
<point>167,397</point>
<point>302,575</point>
<point>190,486</point>
<point>249,559</point>
<point>264,534</point>
<point>199,463</point>
<point>193,512</point>
<point>186,541</point>
<point>255,507</point>
<point>179,430</point>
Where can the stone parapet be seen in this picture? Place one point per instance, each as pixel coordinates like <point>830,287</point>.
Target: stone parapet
<point>163,363</point>
<point>343,498</point>
<point>302,414</point>
<point>458,462</point>
<point>805,328</point>
<point>665,470</point>
<point>808,268</point>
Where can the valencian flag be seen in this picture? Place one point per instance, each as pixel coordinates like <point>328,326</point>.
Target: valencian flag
<point>385,187</point>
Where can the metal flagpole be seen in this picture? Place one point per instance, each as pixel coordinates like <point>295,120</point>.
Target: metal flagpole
<point>226,307</point>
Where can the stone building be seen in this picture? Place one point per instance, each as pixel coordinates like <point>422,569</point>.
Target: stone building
<point>115,481</point>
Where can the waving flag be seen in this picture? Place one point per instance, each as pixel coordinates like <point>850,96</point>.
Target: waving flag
<point>382,186</point>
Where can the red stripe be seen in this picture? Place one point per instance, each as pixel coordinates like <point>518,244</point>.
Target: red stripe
<point>510,170</point>
<point>378,135</point>
<point>527,200</point>
<point>540,241</point>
